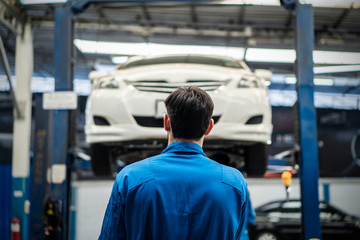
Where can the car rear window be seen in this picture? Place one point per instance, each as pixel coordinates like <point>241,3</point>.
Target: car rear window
<point>183,59</point>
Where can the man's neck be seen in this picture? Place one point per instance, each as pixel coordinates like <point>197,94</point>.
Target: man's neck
<point>171,139</point>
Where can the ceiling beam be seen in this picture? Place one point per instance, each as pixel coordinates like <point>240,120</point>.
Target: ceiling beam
<point>342,16</point>
<point>241,15</point>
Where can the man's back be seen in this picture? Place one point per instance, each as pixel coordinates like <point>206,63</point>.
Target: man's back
<point>179,194</point>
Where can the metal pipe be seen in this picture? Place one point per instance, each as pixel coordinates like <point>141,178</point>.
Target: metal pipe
<point>8,74</point>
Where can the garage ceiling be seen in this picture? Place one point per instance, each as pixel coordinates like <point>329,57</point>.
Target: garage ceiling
<point>336,29</point>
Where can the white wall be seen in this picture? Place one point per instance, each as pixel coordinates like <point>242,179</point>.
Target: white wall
<point>344,193</point>
<point>91,202</point>
<point>92,198</point>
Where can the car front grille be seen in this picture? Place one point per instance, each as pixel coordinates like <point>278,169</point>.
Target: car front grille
<point>162,86</point>
<point>157,122</point>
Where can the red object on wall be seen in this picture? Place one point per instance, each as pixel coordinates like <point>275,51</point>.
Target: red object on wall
<point>15,229</point>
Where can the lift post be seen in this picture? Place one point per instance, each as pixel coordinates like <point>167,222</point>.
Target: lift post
<point>306,125</point>
<point>60,124</point>
<point>51,181</point>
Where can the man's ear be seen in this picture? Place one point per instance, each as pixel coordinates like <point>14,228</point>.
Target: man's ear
<point>166,122</point>
<point>210,127</point>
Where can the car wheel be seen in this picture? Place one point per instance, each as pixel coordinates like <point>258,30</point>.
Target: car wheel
<point>101,159</point>
<point>256,159</point>
<point>266,235</point>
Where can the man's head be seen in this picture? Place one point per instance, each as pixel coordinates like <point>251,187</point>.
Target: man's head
<point>190,110</point>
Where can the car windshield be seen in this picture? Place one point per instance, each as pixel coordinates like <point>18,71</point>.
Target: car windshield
<point>223,62</point>
<point>269,207</point>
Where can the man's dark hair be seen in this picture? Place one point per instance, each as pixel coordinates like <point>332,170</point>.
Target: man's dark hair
<point>190,110</point>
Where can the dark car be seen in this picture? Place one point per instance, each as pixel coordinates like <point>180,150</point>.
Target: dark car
<point>280,220</point>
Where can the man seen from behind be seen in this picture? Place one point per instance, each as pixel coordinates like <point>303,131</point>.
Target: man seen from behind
<point>180,193</point>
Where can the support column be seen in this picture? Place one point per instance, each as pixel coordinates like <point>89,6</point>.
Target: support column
<point>59,128</point>
<point>22,129</point>
<point>309,165</point>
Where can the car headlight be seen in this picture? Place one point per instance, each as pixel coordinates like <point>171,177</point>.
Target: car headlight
<point>106,83</point>
<point>248,83</point>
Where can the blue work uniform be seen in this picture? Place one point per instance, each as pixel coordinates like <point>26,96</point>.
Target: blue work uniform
<point>179,194</point>
<point>249,219</point>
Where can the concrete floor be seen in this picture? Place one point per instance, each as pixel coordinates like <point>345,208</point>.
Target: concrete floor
<point>92,196</point>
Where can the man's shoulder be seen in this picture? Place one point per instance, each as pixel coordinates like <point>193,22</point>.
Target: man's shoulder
<point>233,177</point>
<point>136,173</point>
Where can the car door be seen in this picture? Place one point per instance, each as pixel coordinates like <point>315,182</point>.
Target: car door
<point>333,225</point>
<point>290,220</point>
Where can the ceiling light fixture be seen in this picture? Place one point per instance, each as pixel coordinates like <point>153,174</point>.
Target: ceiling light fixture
<point>314,3</point>
<point>119,59</point>
<point>289,56</point>
<point>28,2</point>
<point>134,49</point>
<point>324,81</point>
<point>317,81</point>
<point>336,57</point>
<point>270,55</point>
<point>252,54</point>
<point>337,69</point>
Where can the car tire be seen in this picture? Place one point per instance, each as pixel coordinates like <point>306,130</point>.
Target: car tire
<point>256,160</point>
<point>101,159</point>
<point>266,235</point>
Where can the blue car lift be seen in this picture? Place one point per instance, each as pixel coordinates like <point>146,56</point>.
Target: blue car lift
<point>55,135</point>
<point>306,115</point>
<point>51,200</point>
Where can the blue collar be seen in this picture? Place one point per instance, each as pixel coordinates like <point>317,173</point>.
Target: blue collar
<point>184,147</point>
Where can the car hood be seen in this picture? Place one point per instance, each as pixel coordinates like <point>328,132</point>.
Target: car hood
<point>178,73</point>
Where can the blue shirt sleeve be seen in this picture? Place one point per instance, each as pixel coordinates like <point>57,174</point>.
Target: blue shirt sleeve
<point>250,213</point>
<point>114,224</point>
<point>249,218</point>
<point>243,220</point>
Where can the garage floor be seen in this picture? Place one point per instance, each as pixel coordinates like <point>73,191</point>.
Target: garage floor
<point>91,198</point>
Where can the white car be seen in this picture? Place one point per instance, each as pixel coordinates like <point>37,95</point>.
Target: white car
<point>124,112</point>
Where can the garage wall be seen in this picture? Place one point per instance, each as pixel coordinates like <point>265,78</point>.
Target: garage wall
<point>344,193</point>
<point>92,198</point>
<point>5,200</point>
<point>336,130</point>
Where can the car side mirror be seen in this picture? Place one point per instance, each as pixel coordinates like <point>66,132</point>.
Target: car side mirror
<point>264,74</point>
<point>94,75</point>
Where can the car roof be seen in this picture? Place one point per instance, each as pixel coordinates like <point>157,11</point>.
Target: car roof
<point>279,203</point>
<point>183,58</point>
<point>135,58</point>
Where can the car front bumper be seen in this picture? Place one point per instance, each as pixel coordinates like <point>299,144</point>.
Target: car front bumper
<point>122,109</point>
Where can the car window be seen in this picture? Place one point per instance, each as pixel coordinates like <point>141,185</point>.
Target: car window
<point>291,205</point>
<point>269,207</point>
<point>183,59</point>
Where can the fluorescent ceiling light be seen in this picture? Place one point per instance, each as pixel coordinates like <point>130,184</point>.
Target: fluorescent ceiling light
<point>317,81</point>
<point>337,69</point>
<point>324,81</point>
<point>314,3</point>
<point>334,57</point>
<point>333,3</point>
<point>289,56</point>
<point>251,2</point>
<point>133,49</point>
<point>252,54</point>
<point>119,59</point>
<point>290,80</point>
<point>42,1</point>
<point>104,68</point>
<point>270,55</point>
